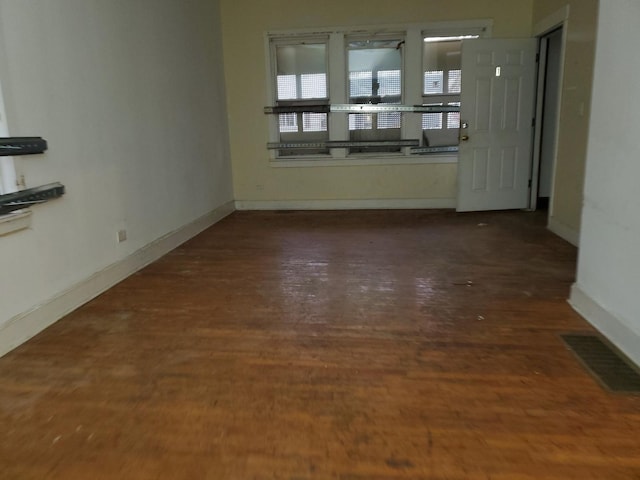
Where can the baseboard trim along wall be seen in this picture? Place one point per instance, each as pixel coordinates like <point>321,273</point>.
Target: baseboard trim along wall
<point>428,203</point>
<point>22,327</point>
<point>570,235</point>
<point>613,328</point>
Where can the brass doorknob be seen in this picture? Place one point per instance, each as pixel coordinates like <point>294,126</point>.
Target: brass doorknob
<point>464,138</point>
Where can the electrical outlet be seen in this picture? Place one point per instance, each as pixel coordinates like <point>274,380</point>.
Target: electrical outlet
<point>122,236</point>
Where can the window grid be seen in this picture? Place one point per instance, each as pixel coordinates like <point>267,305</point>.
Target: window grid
<point>442,78</point>
<point>288,122</point>
<point>389,81</point>
<point>437,121</point>
<point>389,120</point>
<point>433,82</point>
<point>454,81</point>
<point>360,121</point>
<point>300,79</point>
<point>360,84</point>
<point>313,85</point>
<point>314,122</point>
<point>287,87</point>
<point>432,121</point>
<point>453,118</point>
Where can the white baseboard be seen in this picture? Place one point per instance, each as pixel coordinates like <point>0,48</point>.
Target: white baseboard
<point>390,204</point>
<point>569,234</point>
<point>22,327</point>
<point>612,327</point>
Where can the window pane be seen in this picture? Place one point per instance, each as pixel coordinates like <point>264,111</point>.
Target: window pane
<point>314,122</point>
<point>299,59</point>
<point>431,121</point>
<point>433,82</point>
<point>301,75</point>
<point>441,64</point>
<point>287,87</point>
<point>288,122</point>
<point>360,84</point>
<point>389,81</point>
<point>375,76</point>
<point>455,78</point>
<point>389,120</point>
<point>301,71</point>
<point>313,85</point>
<point>360,121</point>
<point>375,68</point>
<point>453,118</point>
<point>442,74</point>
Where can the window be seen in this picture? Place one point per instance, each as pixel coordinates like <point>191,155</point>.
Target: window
<point>301,79</point>
<point>442,82</point>
<point>383,66</point>
<point>375,77</point>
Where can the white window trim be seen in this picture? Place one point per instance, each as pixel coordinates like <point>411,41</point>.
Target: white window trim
<point>8,175</point>
<point>10,181</point>
<point>337,87</point>
<point>15,221</point>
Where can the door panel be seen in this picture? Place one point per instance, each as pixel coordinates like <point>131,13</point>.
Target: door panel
<point>498,91</point>
<point>480,168</point>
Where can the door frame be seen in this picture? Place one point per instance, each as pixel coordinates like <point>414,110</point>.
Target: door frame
<point>556,20</point>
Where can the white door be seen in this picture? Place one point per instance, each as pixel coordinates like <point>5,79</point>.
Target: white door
<point>496,114</point>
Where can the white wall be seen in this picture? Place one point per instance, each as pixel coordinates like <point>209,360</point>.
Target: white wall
<point>607,291</point>
<point>130,96</point>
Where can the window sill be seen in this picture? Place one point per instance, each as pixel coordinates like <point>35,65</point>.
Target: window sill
<point>361,160</point>
<point>12,222</point>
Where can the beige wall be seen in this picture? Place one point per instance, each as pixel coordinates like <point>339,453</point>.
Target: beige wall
<point>575,108</point>
<point>244,24</point>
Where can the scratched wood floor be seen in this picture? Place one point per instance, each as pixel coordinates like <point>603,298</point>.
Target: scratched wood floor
<point>324,345</point>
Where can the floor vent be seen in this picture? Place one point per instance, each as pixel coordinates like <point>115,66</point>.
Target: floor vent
<point>609,367</point>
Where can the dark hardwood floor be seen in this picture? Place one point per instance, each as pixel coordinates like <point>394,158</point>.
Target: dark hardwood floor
<point>324,345</point>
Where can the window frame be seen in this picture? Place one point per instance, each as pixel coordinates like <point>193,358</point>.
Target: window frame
<point>8,172</point>
<point>11,180</point>
<point>338,87</point>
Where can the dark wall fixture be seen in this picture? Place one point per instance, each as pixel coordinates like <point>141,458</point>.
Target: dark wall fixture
<point>11,146</point>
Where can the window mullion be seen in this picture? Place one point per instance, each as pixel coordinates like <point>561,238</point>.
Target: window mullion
<point>411,124</point>
<point>274,120</point>
<point>8,174</point>
<point>339,122</point>
<point>445,89</point>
